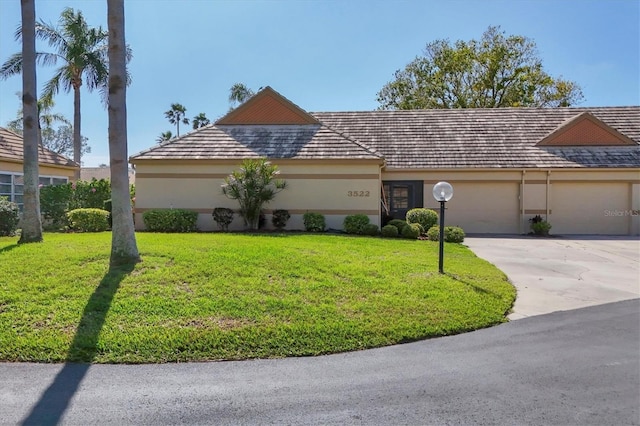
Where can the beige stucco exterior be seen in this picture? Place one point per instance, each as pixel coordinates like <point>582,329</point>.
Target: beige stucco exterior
<point>44,170</point>
<point>584,201</point>
<point>333,188</point>
<point>578,201</point>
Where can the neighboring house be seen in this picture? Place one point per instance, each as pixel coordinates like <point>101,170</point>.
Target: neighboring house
<point>577,167</point>
<point>103,172</point>
<point>53,168</point>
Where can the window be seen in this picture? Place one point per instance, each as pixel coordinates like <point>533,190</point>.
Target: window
<point>6,185</point>
<point>402,196</point>
<point>12,185</point>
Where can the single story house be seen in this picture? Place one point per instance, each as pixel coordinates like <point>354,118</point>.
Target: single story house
<point>53,168</point>
<point>577,167</point>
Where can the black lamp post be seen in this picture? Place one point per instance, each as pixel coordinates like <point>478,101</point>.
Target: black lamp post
<point>442,192</point>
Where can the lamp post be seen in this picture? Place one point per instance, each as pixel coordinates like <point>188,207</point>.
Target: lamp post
<point>442,192</point>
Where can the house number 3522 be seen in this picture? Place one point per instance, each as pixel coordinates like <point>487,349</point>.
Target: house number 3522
<point>357,193</point>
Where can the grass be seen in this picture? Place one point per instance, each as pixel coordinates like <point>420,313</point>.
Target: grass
<point>199,297</point>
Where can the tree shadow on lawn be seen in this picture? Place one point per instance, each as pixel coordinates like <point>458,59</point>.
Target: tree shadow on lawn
<point>9,248</point>
<point>54,401</point>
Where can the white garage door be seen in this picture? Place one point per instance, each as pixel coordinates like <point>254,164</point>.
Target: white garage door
<point>485,207</point>
<point>590,208</point>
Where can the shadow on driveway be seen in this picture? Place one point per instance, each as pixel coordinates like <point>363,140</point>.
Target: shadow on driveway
<point>54,401</point>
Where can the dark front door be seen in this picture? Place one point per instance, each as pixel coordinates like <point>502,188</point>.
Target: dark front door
<point>402,196</point>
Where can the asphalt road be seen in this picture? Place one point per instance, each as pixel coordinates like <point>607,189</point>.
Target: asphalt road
<point>566,368</point>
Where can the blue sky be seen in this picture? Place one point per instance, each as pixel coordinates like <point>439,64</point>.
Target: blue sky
<point>322,55</point>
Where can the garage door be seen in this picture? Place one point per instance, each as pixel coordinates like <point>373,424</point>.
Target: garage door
<point>590,208</point>
<point>485,207</point>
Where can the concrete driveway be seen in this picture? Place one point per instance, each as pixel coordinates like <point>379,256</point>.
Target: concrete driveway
<point>563,273</point>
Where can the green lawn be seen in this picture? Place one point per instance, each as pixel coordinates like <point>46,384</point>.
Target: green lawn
<point>235,296</point>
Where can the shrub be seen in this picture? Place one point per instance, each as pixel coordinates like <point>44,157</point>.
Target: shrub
<point>54,204</point>
<point>88,220</point>
<point>355,223</point>
<point>425,217</point>
<point>370,229</point>
<point>279,218</point>
<point>541,228</point>
<point>223,217</point>
<point>398,223</point>
<point>9,217</point>
<point>89,194</point>
<point>108,207</point>
<point>433,234</point>
<point>452,234</point>
<point>390,231</point>
<point>57,200</point>
<point>314,222</point>
<point>173,220</point>
<point>412,231</point>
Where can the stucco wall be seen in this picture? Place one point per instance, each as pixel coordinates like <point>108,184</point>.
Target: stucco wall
<point>43,170</point>
<point>334,189</point>
<point>576,201</point>
<point>485,201</point>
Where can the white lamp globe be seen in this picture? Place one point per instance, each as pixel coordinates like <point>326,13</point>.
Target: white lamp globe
<point>442,191</point>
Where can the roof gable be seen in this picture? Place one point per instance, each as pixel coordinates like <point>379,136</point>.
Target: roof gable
<point>268,107</point>
<point>12,149</point>
<point>585,130</point>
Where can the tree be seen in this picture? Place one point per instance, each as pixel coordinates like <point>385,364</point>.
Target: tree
<point>254,185</point>
<point>496,71</point>
<point>164,136</point>
<point>82,50</point>
<point>124,249</point>
<point>238,94</point>
<point>46,116</point>
<point>31,221</point>
<point>58,139</point>
<point>200,120</point>
<point>176,115</point>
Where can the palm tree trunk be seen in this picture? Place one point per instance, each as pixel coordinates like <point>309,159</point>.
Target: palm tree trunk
<point>123,241</point>
<point>77,139</point>
<point>31,221</point>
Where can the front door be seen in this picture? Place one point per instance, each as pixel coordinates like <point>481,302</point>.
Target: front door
<point>402,196</point>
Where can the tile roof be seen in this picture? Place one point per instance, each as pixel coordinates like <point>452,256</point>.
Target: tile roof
<point>421,139</point>
<point>485,138</point>
<point>11,149</point>
<point>219,142</point>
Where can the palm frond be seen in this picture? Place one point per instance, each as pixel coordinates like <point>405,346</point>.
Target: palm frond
<point>51,35</point>
<point>47,59</point>
<point>52,86</point>
<point>17,35</point>
<point>12,66</point>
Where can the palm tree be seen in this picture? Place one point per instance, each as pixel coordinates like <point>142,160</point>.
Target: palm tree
<point>238,94</point>
<point>83,52</point>
<point>176,115</point>
<point>254,185</point>
<point>200,120</point>
<point>47,118</point>
<point>31,221</point>
<point>164,136</point>
<point>124,249</point>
